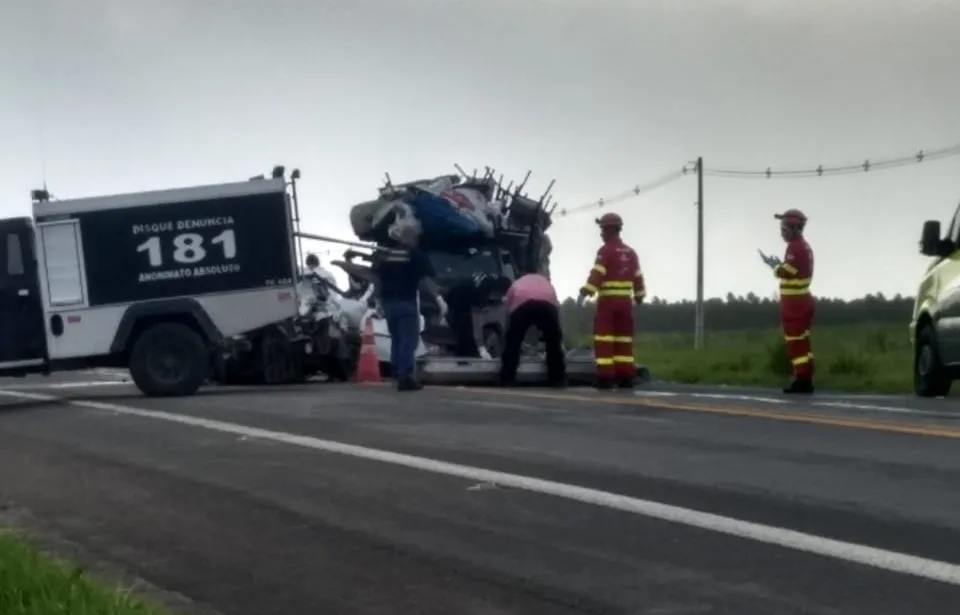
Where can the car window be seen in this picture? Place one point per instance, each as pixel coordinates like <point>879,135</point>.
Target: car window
<point>14,255</point>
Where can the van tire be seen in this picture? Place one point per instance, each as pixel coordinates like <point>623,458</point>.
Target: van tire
<point>930,377</point>
<point>169,359</point>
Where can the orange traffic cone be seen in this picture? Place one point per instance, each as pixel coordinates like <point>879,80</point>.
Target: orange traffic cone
<point>368,367</point>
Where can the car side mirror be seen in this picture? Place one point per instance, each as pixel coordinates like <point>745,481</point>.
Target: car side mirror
<point>930,242</point>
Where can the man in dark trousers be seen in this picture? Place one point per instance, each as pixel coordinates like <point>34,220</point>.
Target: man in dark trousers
<point>402,269</point>
<point>532,301</point>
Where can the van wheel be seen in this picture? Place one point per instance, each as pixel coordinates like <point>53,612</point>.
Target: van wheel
<point>930,377</point>
<point>169,359</point>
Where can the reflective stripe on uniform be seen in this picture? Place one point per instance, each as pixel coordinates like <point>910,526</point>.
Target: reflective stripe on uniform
<point>789,268</point>
<point>623,359</point>
<point>590,288</point>
<point>600,269</point>
<point>614,339</point>
<point>600,361</point>
<point>797,338</point>
<point>795,287</point>
<point>616,288</point>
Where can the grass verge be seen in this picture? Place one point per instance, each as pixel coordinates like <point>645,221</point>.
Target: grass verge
<point>865,358</point>
<point>32,584</point>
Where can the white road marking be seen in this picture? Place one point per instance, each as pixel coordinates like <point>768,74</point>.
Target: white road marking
<point>502,405</point>
<point>766,400</point>
<point>108,371</point>
<point>883,559</point>
<point>887,409</point>
<point>850,405</point>
<point>729,396</point>
<point>65,385</point>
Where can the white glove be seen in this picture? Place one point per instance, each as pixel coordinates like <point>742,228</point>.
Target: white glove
<point>485,354</point>
<point>442,304</point>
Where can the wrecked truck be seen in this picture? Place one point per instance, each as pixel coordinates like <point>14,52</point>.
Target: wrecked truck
<point>479,236</point>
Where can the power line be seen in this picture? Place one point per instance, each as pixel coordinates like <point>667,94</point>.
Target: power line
<point>632,193</point>
<point>847,169</point>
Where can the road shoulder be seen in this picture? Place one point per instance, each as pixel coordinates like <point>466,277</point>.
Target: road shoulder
<point>41,536</point>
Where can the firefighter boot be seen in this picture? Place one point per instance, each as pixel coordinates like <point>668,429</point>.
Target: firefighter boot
<point>801,386</point>
<point>625,383</point>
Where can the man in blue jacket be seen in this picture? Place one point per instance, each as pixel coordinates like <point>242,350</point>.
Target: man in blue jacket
<point>401,272</point>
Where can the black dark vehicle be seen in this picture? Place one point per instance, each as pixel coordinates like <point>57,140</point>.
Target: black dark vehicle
<point>153,281</point>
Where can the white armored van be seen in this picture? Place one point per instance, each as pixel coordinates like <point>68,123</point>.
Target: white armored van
<point>151,281</point>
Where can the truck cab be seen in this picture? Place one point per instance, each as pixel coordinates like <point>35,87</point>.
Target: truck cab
<point>935,326</point>
<point>22,337</point>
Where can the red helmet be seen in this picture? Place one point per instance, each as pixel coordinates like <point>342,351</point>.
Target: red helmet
<point>610,220</point>
<point>792,217</point>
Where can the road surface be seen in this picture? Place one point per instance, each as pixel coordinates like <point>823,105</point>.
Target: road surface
<point>357,500</point>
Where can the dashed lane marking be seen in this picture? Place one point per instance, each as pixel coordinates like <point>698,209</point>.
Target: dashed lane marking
<point>944,572</point>
<point>730,410</point>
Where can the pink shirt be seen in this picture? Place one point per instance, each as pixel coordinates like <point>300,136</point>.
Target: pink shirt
<point>530,287</point>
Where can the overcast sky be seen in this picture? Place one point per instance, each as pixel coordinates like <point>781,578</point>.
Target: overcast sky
<point>123,95</point>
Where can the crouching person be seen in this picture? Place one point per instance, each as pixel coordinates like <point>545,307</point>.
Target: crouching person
<point>532,301</point>
<point>402,269</point>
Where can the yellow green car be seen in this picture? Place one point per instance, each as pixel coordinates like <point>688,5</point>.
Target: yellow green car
<point>935,327</point>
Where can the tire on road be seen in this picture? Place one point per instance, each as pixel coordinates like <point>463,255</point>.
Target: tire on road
<point>930,377</point>
<point>169,359</point>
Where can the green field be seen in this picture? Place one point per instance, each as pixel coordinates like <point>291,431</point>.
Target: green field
<point>31,584</point>
<point>870,357</point>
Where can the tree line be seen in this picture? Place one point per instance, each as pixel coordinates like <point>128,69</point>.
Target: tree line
<point>748,312</point>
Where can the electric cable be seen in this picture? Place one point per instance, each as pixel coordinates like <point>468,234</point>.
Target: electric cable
<point>639,189</point>
<point>846,169</point>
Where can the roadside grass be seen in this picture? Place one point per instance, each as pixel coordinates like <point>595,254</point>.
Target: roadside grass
<point>33,584</point>
<point>863,358</point>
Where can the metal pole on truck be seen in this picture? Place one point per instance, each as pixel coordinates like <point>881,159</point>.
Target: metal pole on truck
<point>296,214</point>
<point>343,242</point>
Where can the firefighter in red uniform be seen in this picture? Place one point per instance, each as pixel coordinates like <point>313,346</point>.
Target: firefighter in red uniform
<point>796,303</point>
<point>617,281</point>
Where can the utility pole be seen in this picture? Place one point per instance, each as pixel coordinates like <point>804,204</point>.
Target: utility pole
<point>698,318</point>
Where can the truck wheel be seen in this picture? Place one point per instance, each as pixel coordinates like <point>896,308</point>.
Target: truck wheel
<point>276,359</point>
<point>169,359</point>
<point>930,377</point>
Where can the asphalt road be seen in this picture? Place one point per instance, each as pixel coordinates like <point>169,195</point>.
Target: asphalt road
<point>248,502</point>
